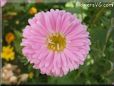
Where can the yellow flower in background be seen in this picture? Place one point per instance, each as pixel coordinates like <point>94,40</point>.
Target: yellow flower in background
<point>32,11</point>
<point>30,74</point>
<point>9,37</point>
<point>7,53</point>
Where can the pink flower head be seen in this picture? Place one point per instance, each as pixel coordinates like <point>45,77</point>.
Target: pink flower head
<point>2,2</point>
<point>55,42</point>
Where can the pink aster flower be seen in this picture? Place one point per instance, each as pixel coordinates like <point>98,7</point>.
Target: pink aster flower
<point>2,2</point>
<point>55,42</point>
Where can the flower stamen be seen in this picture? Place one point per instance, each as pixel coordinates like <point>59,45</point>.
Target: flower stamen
<point>56,42</point>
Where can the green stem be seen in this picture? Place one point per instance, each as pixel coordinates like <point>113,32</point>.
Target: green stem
<point>81,9</point>
<point>109,31</point>
<point>97,16</point>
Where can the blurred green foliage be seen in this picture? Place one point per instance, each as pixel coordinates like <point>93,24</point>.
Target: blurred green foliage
<point>99,65</point>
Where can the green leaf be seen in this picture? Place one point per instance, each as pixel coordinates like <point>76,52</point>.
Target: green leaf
<point>17,41</point>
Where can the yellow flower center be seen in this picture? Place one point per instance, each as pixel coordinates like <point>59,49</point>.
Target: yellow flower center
<point>56,42</point>
<point>8,52</point>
